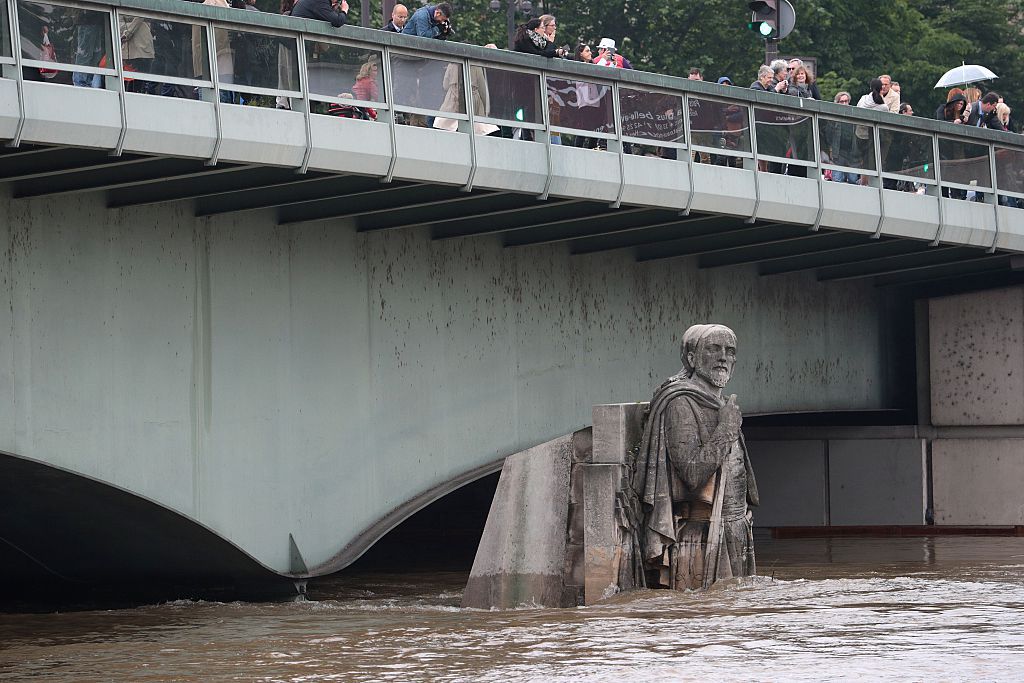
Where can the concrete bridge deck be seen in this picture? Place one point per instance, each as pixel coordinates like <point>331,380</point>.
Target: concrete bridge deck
<point>295,329</point>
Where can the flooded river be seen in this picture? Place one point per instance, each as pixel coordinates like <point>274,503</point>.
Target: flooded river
<point>923,609</point>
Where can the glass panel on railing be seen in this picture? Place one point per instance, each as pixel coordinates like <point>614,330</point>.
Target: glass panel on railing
<point>783,134</point>
<point>846,144</point>
<point>65,36</point>
<point>423,83</point>
<point>344,71</point>
<point>5,32</point>
<point>164,48</point>
<point>723,125</point>
<point>506,95</point>
<point>908,154</point>
<point>581,105</point>
<point>653,116</point>
<point>256,60</point>
<point>964,163</point>
<point>1010,169</point>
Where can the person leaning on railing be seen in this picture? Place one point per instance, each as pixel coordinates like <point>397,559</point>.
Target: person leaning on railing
<point>431,21</point>
<point>334,12</point>
<point>536,37</point>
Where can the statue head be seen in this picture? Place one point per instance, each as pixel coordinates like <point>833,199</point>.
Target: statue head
<point>709,353</point>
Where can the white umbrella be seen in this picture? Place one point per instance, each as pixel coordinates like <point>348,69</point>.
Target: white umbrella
<point>962,75</point>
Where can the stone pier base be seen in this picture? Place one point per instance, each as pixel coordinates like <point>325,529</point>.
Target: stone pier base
<point>553,536</point>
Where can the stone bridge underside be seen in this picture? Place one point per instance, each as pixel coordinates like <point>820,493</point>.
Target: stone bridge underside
<point>298,361</point>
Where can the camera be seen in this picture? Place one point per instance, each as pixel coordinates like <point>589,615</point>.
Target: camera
<point>446,29</point>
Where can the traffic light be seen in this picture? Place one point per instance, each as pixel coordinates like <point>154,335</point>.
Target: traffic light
<point>772,19</point>
<point>764,18</point>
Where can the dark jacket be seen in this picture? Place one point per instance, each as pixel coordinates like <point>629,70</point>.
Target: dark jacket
<point>321,10</point>
<point>798,90</point>
<point>989,120</point>
<point>940,113</point>
<point>756,85</point>
<point>390,26</point>
<point>422,23</point>
<point>534,43</point>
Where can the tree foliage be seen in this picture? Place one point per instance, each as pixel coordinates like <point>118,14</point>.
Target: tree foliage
<point>915,41</point>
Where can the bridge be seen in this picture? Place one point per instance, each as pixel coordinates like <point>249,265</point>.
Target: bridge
<point>273,333</point>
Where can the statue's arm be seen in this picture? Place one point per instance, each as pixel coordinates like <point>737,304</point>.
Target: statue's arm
<point>694,461</point>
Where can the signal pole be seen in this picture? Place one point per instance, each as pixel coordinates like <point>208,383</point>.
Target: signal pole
<point>771,50</point>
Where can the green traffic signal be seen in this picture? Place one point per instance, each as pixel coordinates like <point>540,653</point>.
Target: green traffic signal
<point>764,18</point>
<point>765,29</point>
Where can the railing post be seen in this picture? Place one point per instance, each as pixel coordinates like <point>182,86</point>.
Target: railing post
<point>211,56</point>
<point>938,185</point>
<point>307,106</point>
<point>467,94</point>
<point>995,193</point>
<point>752,112</point>
<point>19,76</point>
<point>547,133</point>
<point>389,97</point>
<point>617,122</point>
<point>688,139</point>
<point>877,141</point>
<point>117,56</point>
<point>816,141</point>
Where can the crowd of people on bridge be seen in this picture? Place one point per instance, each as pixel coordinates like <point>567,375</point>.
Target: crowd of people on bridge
<point>843,145</point>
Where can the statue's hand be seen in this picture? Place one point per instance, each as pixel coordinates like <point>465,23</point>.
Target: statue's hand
<point>730,418</point>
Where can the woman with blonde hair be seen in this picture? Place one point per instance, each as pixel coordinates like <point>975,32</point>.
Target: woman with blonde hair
<point>1003,115</point>
<point>365,87</point>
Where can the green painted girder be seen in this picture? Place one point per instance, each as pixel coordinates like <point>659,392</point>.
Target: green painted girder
<point>811,243</point>
<point>617,222</point>
<point>930,256</point>
<point>728,239</point>
<point>256,180</point>
<point>387,198</point>
<point>866,251</point>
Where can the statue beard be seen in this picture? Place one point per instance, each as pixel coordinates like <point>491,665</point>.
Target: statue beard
<point>716,377</point>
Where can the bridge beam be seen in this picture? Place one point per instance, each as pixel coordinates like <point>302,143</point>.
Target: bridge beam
<point>36,162</point>
<point>677,229</point>
<point>386,199</point>
<point>864,251</point>
<point>117,175</point>
<point>234,180</point>
<point>988,264</point>
<point>540,214</point>
<point>901,263</point>
<point>810,243</point>
<point>478,206</point>
<point>741,236</point>
<point>621,221</point>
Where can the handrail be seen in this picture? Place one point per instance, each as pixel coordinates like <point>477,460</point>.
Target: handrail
<point>503,58</point>
<point>208,18</point>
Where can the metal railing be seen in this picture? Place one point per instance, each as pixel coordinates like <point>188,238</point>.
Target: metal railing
<point>226,56</point>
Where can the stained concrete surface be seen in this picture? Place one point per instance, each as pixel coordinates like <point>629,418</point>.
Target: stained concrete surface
<point>977,358</point>
<point>978,481</point>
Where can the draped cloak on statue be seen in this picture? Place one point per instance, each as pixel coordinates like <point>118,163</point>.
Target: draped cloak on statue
<point>676,490</point>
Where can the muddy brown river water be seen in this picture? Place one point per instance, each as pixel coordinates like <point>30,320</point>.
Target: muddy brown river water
<point>916,609</point>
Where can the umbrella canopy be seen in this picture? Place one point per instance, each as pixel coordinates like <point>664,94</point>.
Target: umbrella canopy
<point>962,75</point>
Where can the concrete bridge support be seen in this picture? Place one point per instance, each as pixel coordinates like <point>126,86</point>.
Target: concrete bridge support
<point>314,382</point>
<point>976,357</point>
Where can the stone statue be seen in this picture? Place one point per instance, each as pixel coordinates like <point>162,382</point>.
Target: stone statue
<point>692,479</point>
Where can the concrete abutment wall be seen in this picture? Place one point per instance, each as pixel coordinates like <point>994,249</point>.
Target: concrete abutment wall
<point>308,379</point>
